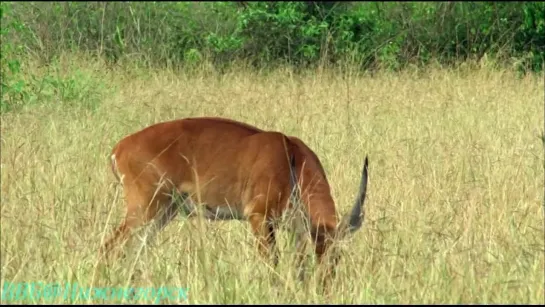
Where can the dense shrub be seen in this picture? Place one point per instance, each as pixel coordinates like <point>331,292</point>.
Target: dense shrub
<point>300,33</point>
<point>364,35</point>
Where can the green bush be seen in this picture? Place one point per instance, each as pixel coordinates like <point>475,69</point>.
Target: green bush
<point>13,86</point>
<point>370,34</point>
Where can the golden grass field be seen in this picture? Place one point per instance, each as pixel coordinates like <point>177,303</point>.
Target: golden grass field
<point>454,212</point>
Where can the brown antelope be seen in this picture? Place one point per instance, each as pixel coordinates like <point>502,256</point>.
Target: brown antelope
<point>238,172</point>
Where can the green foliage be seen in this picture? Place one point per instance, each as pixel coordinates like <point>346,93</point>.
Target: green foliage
<point>14,89</point>
<point>368,35</point>
<point>80,90</point>
<point>386,34</point>
<point>530,37</point>
<point>20,87</point>
<point>281,31</point>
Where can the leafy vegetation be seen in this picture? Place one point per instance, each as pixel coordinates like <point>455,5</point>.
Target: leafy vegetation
<point>362,36</point>
<point>369,33</point>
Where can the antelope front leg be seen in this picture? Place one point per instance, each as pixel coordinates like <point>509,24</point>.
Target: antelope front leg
<point>323,250</point>
<point>301,256</point>
<point>266,241</point>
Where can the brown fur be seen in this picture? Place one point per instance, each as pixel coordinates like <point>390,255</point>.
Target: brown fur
<point>223,163</point>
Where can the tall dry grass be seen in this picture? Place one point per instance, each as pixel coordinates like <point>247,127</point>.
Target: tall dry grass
<point>454,212</point>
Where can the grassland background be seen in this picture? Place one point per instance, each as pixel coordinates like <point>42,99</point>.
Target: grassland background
<point>454,212</point>
<point>449,112</point>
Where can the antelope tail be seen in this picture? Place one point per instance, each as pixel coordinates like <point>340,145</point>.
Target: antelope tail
<point>113,164</point>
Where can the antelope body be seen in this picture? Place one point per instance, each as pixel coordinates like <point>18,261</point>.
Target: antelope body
<point>234,170</point>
